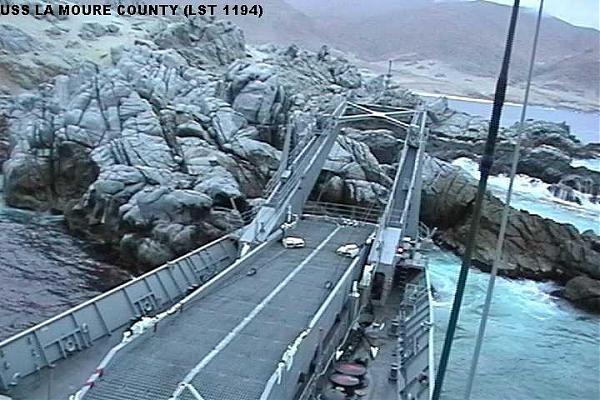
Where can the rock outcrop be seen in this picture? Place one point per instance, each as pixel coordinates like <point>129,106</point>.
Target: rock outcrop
<point>203,40</point>
<point>584,292</point>
<point>163,150</point>
<point>547,148</point>
<point>535,247</point>
<point>141,154</point>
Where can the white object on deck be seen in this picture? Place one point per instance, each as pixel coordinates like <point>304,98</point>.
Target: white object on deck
<point>350,250</point>
<point>291,242</point>
<point>367,276</point>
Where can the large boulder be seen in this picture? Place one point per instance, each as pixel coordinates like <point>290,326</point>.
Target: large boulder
<point>537,133</point>
<point>545,162</point>
<point>584,292</point>
<point>535,247</point>
<point>27,182</point>
<point>383,143</point>
<point>254,90</point>
<point>203,40</point>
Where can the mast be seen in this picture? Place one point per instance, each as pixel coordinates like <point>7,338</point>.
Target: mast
<point>485,166</point>
<point>505,214</point>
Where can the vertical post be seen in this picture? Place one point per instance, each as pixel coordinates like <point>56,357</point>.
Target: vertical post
<point>505,215</point>
<point>286,145</point>
<point>485,166</point>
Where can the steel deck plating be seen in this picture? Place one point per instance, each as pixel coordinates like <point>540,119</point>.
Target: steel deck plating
<point>233,339</point>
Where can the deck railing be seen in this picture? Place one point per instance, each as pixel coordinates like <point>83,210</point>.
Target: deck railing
<point>79,328</point>
<point>337,210</point>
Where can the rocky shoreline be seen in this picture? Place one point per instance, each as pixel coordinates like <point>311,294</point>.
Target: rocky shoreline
<point>163,149</point>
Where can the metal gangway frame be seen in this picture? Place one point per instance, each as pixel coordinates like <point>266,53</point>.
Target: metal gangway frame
<point>65,336</point>
<point>163,292</point>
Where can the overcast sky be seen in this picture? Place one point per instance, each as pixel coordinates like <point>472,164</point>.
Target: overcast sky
<point>576,12</point>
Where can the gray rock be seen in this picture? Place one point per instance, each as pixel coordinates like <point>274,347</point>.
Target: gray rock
<point>203,41</point>
<point>353,160</point>
<point>153,253</point>
<point>383,144</point>
<point>137,145</point>
<point>535,247</point>
<point>254,90</point>
<point>220,185</point>
<point>26,186</point>
<point>92,31</point>
<point>346,75</point>
<point>584,292</point>
<point>152,205</point>
<point>15,41</point>
<point>564,192</point>
<point>262,155</point>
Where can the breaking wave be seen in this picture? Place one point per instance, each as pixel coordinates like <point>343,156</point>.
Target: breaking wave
<point>532,194</point>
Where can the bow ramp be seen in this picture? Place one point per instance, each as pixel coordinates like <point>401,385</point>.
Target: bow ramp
<point>294,181</point>
<point>248,317</point>
<point>229,340</point>
<point>400,221</point>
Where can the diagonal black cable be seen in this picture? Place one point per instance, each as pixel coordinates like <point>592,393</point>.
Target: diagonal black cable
<point>485,166</point>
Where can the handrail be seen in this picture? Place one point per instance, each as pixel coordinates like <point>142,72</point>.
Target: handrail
<point>353,212</point>
<point>293,156</point>
<point>287,358</point>
<point>108,293</point>
<point>415,170</point>
<point>306,157</point>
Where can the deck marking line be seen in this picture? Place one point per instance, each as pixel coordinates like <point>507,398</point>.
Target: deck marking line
<point>233,333</point>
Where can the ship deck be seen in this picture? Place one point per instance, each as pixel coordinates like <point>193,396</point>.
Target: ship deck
<point>230,341</point>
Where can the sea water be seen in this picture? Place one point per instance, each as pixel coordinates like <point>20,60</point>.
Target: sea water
<point>44,270</point>
<point>536,346</point>
<point>584,125</point>
<point>591,164</point>
<point>532,195</point>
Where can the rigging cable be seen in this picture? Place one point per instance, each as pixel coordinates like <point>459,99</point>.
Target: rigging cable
<point>505,215</point>
<point>486,163</point>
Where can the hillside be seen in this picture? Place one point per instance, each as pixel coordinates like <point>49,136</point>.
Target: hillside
<point>282,24</point>
<point>448,47</point>
<point>467,35</point>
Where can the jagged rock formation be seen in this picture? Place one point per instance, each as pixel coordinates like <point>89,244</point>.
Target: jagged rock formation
<point>140,154</point>
<point>535,247</point>
<point>584,291</point>
<point>161,151</point>
<point>203,40</point>
<point>547,148</point>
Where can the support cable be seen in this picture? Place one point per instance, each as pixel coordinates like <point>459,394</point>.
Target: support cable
<point>485,166</point>
<point>505,215</point>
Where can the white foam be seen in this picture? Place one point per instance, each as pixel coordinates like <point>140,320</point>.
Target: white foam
<point>591,164</point>
<point>533,189</point>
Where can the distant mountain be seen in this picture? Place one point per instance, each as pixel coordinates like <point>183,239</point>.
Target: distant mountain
<point>354,8</point>
<point>282,24</point>
<point>467,37</point>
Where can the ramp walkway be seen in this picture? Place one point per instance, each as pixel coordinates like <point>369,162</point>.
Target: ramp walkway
<point>229,342</point>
